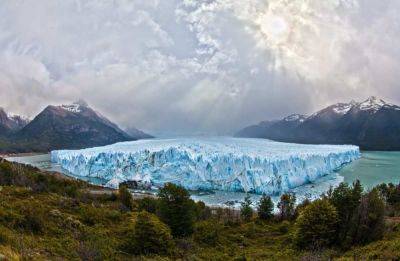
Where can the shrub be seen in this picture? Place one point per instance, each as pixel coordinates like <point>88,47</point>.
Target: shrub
<point>202,211</point>
<point>4,236</point>
<point>316,225</point>
<point>286,206</point>
<point>149,236</point>
<point>125,197</point>
<point>176,209</point>
<point>148,204</point>
<point>265,208</point>
<point>6,174</point>
<point>246,212</point>
<point>284,227</point>
<point>32,220</point>
<point>207,233</point>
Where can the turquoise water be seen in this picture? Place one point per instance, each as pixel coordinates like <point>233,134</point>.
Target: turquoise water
<point>371,169</point>
<point>374,168</point>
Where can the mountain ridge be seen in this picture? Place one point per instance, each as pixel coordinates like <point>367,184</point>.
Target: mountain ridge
<point>372,124</point>
<point>70,126</point>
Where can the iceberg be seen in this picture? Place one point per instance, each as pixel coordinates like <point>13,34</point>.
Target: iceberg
<point>219,163</point>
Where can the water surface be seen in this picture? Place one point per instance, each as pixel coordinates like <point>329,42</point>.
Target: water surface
<point>371,169</point>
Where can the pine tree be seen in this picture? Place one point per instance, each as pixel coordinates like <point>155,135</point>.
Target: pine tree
<point>265,208</point>
<point>246,211</point>
<point>176,209</point>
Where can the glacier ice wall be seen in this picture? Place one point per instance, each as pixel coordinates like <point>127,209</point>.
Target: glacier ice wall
<point>221,163</point>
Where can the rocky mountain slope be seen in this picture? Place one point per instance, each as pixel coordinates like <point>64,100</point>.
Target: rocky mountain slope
<point>11,123</point>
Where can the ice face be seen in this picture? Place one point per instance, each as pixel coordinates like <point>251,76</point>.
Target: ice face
<point>221,163</point>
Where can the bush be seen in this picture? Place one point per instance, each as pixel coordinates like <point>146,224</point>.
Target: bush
<point>125,197</point>
<point>32,220</point>
<point>7,175</point>
<point>286,206</point>
<point>207,233</point>
<point>316,225</point>
<point>246,212</point>
<point>176,209</point>
<point>148,204</point>
<point>284,227</point>
<point>149,236</point>
<point>202,211</point>
<point>265,208</point>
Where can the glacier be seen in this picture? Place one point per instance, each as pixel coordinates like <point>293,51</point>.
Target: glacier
<point>214,163</point>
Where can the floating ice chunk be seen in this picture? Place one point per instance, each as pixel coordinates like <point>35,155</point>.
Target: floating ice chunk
<point>220,163</point>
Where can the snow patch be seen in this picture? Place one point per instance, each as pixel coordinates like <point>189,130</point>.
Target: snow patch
<point>75,108</point>
<point>343,108</point>
<point>372,104</point>
<point>295,117</point>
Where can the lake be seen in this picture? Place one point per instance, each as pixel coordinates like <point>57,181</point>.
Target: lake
<point>371,169</point>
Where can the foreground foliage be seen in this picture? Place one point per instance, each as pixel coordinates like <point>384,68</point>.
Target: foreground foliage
<point>46,217</point>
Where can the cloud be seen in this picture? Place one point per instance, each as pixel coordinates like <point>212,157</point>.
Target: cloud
<point>197,66</point>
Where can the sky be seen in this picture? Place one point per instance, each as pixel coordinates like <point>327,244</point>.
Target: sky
<point>197,66</point>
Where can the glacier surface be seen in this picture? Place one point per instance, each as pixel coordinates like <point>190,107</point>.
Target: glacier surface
<point>220,163</point>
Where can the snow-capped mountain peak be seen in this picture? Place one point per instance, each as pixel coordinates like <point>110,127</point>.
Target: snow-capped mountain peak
<point>75,107</point>
<point>295,117</point>
<point>372,104</point>
<point>12,122</point>
<point>343,108</point>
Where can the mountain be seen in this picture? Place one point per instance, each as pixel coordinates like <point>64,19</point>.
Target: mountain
<point>11,123</point>
<point>372,124</point>
<point>138,134</point>
<point>65,127</point>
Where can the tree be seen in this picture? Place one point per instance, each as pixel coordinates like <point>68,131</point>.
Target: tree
<point>316,225</point>
<point>176,209</point>
<point>125,197</point>
<point>368,223</point>
<point>286,206</point>
<point>301,206</point>
<point>265,208</point>
<point>346,201</point>
<point>246,212</point>
<point>149,236</point>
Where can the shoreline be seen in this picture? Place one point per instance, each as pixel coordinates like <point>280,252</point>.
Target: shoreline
<point>26,154</point>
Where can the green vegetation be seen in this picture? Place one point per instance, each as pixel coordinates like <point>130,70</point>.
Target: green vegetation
<point>316,225</point>
<point>149,236</point>
<point>286,207</point>
<point>246,211</point>
<point>44,216</point>
<point>176,209</point>
<point>125,197</point>
<point>265,208</point>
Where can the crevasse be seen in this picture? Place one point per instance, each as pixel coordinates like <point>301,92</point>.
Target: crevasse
<point>220,163</point>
